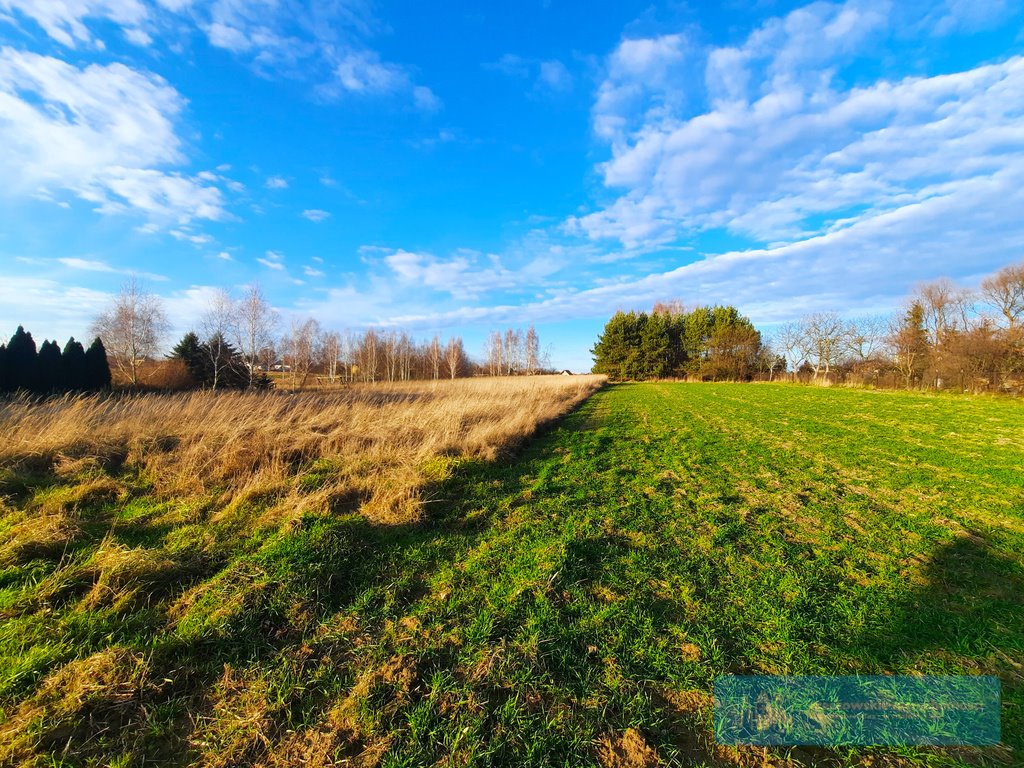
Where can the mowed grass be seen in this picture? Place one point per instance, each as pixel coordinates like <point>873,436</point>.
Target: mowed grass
<point>568,606</point>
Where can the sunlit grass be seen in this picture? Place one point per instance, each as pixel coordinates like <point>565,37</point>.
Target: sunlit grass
<point>568,605</point>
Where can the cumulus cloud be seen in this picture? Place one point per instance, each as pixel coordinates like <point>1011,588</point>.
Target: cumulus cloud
<point>643,81</point>
<point>277,182</point>
<point>864,267</point>
<point>785,150</point>
<point>106,134</point>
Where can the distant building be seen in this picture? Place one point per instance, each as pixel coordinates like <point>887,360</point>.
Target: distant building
<point>567,372</point>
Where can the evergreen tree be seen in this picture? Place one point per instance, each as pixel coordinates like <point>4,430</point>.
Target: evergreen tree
<point>655,345</point>
<point>3,368</point>
<point>712,342</point>
<point>618,346</point>
<point>49,372</point>
<point>73,365</point>
<point>911,345</point>
<point>21,361</point>
<point>225,364</point>
<point>194,355</point>
<point>97,366</point>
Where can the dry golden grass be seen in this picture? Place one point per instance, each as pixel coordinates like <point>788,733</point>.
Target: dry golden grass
<point>374,445</point>
<point>192,477</point>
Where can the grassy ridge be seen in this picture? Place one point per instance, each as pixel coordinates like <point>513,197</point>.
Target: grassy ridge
<point>569,608</point>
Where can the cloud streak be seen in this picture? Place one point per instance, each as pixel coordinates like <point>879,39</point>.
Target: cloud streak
<point>105,134</point>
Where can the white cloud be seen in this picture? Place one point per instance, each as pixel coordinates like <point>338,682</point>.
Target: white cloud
<point>316,215</point>
<point>468,274</point>
<point>362,72</point>
<point>325,41</point>
<point>968,15</point>
<point>785,151</point>
<point>90,265</point>
<point>312,272</point>
<point>277,182</point>
<point>104,133</point>
<point>225,256</point>
<point>65,20</point>
<point>425,99</point>
<point>272,260</point>
<point>190,237</point>
<point>644,79</point>
<point>48,308</point>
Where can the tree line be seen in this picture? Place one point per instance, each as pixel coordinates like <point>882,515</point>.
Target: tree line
<point>239,343</point>
<point>708,343</point>
<point>947,336</point>
<point>51,370</point>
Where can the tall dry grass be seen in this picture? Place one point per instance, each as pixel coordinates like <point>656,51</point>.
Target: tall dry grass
<point>372,445</point>
<point>129,518</point>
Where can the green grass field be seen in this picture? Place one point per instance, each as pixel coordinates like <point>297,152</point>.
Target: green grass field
<point>569,607</point>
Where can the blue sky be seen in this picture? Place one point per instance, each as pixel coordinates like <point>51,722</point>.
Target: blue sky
<point>458,167</point>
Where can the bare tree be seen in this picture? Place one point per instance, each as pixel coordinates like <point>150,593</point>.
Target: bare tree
<point>866,337</point>
<point>331,345</point>
<point>455,356</point>
<point>494,353</point>
<point>218,325</point>
<point>768,358</point>
<point>406,348</point>
<point>349,353</point>
<point>789,341</point>
<point>532,351</point>
<point>1005,292</point>
<point>434,355</point>
<point>369,355</point>
<point>513,351</point>
<point>132,327</point>
<point>946,308</point>
<point>822,339</point>
<point>389,345</point>
<point>301,348</point>
<point>255,324</point>
<point>672,307</point>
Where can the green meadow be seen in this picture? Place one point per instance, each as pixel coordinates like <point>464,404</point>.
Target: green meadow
<point>570,605</point>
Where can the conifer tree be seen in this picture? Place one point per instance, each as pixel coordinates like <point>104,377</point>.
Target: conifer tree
<point>73,365</point>
<point>193,354</point>
<point>21,361</point>
<point>97,366</point>
<point>3,367</point>
<point>713,342</point>
<point>49,373</point>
